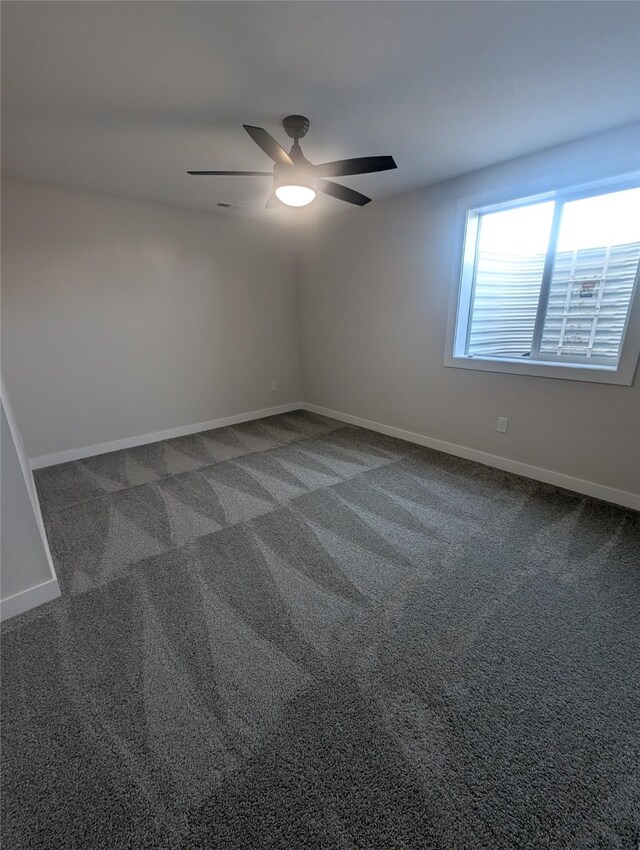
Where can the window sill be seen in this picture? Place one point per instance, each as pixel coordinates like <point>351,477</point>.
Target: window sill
<point>545,369</point>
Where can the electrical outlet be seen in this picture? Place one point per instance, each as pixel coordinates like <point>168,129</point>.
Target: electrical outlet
<point>274,386</point>
<point>503,421</point>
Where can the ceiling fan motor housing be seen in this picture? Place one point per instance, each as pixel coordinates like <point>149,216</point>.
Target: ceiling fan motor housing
<point>300,174</point>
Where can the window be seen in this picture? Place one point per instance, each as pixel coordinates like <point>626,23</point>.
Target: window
<point>548,283</point>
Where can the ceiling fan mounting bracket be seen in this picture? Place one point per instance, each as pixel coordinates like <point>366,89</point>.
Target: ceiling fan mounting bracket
<point>296,126</point>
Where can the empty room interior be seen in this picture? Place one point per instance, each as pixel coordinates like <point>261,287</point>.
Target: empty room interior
<point>320,425</point>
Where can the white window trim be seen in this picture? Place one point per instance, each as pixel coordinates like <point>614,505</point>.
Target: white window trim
<point>464,255</point>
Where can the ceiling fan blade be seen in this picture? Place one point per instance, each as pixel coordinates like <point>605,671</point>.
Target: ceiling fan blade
<point>358,165</point>
<point>268,144</point>
<point>242,173</point>
<point>272,201</point>
<point>342,193</point>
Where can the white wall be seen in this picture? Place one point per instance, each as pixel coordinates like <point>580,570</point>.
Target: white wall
<point>374,294</point>
<point>122,318</point>
<point>28,577</point>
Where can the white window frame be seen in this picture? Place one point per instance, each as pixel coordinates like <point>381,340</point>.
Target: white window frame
<point>468,215</point>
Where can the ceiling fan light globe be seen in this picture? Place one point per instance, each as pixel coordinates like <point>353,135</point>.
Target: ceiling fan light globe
<point>294,195</point>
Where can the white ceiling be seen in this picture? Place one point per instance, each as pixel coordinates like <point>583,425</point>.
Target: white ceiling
<point>125,97</point>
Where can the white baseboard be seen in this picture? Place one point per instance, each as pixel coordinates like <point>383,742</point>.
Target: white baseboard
<point>548,476</point>
<point>156,436</point>
<point>29,598</point>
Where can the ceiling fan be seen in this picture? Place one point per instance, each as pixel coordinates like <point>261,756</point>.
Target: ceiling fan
<point>295,179</point>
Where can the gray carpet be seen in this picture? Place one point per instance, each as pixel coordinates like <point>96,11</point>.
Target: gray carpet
<point>298,634</point>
